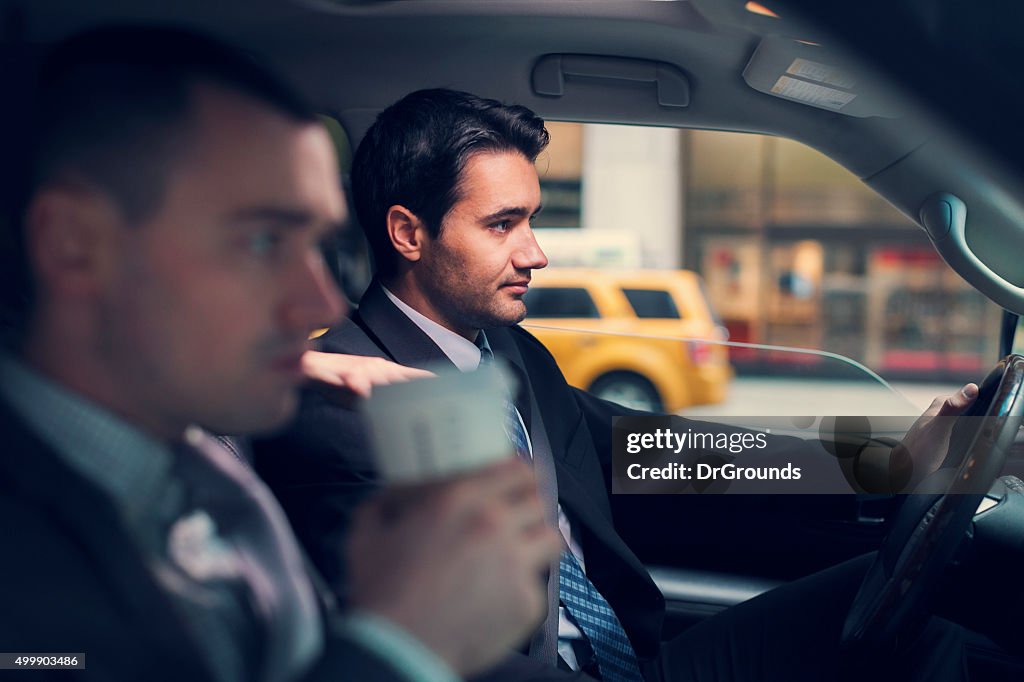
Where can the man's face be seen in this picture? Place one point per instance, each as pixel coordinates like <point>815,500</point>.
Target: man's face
<point>475,274</point>
<point>211,300</point>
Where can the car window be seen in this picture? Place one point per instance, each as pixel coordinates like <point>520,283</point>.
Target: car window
<point>652,303</point>
<point>820,297</point>
<point>556,302</point>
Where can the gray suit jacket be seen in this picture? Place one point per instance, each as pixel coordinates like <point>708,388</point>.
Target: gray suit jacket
<point>72,580</point>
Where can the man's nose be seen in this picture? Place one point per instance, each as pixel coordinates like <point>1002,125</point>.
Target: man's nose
<point>529,255</point>
<point>314,299</point>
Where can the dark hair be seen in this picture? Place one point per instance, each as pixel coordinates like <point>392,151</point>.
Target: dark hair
<point>112,106</point>
<point>416,150</point>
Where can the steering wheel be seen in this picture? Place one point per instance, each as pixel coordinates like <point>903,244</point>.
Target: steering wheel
<point>929,527</point>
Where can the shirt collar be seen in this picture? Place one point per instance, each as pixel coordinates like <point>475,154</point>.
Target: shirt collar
<point>130,466</point>
<point>461,351</point>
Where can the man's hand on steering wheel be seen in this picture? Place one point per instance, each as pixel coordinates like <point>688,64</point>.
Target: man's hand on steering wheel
<point>925,446</point>
<point>930,526</point>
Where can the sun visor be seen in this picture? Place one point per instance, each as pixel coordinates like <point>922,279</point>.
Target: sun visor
<point>807,73</point>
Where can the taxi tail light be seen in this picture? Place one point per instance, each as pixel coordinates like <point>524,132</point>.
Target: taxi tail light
<point>700,353</point>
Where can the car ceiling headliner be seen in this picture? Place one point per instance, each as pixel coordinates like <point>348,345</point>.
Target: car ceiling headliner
<point>353,57</point>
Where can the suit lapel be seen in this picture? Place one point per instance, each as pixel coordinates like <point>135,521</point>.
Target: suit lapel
<point>394,333</point>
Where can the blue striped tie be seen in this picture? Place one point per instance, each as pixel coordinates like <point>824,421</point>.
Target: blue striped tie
<point>592,613</point>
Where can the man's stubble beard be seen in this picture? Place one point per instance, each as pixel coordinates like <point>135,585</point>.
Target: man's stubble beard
<point>459,303</point>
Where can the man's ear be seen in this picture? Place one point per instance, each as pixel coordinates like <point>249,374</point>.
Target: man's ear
<point>70,234</point>
<point>407,232</point>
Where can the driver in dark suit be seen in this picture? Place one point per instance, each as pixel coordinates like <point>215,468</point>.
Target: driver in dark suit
<point>445,189</point>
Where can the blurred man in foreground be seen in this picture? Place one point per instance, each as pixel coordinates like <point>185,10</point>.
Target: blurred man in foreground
<point>178,194</point>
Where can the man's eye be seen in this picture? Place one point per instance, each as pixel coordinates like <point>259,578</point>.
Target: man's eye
<point>502,225</point>
<point>264,243</point>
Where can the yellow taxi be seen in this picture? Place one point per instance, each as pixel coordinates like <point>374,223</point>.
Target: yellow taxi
<point>647,339</point>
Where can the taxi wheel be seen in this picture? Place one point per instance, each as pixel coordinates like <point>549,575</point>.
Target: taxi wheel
<point>629,390</point>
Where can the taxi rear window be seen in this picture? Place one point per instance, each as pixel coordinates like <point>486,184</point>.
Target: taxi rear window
<point>652,303</point>
<point>554,302</point>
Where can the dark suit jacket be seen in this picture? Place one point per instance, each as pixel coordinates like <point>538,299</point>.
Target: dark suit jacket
<point>322,467</point>
<point>72,580</point>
